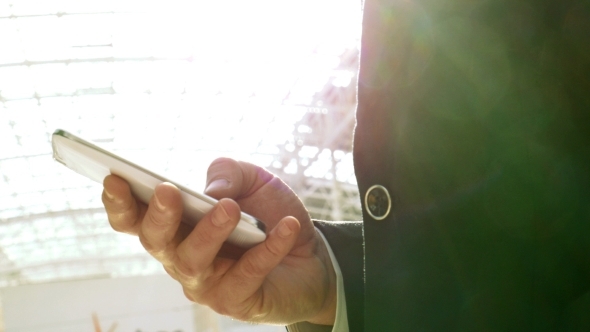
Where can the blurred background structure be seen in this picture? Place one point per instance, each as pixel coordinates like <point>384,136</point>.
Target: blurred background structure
<point>170,85</point>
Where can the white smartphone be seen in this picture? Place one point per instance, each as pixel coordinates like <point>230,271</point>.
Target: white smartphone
<point>96,163</point>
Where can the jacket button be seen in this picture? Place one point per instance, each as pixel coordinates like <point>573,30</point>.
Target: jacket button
<point>378,202</point>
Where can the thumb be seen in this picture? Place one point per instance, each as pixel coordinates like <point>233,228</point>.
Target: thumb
<point>259,193</point>
<point>228,178</point>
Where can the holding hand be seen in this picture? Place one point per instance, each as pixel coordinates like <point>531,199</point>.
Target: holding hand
<point>285,279</point>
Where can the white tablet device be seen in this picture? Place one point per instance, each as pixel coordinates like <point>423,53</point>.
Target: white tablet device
<point>96,163</point>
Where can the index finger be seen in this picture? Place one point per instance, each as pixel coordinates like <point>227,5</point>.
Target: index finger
<point>243,280</point>
<point>123,210</point>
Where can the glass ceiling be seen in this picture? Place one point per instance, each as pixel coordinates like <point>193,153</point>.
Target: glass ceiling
<point>170,85</point>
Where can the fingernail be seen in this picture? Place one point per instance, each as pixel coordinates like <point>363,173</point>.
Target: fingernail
<point>284,230</point>
<point>220,217</point>
<point>159,204</point>
<point>218,184</point>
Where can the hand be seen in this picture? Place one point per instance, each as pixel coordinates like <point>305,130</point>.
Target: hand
<point>288,278</point>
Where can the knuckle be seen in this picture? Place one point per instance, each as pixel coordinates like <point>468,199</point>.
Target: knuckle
<point>251,268</point>
<point>204,236</point>
<point>227,305</point>
<point>186,270</point>
<point>247,311</point>
<point>159,219</point>
<point>171,272</point>
<point>262,174</point>
<point>274,248</point>
<point>242,315</point>
<point>187,294</point>
<point>221,307</point>
<point>150,247</point>
<point>115,225</point>
<point>123,220</point>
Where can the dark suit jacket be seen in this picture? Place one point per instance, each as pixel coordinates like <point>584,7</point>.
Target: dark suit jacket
<point>475,116</point>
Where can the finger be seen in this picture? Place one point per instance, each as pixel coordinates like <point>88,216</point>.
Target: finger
<point>183,230</point>
<point>257,191</point>
<point>158,232</point>
<point>195,255</point>
<point>233,179</point>
<point>123,211</point>
<point>171,272</point>
<point>247,275</point>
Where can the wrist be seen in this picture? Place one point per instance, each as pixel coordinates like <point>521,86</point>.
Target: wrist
<point>327,313</point>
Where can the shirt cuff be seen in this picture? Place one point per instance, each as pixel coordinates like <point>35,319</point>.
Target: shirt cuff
<point>341,321</point>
